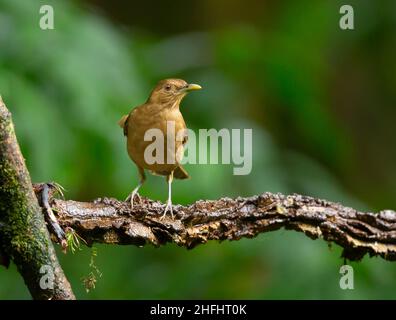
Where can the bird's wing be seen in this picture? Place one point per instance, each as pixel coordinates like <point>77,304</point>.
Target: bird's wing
<point>123,123</point>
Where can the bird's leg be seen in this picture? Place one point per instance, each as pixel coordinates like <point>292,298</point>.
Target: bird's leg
<point>142,178</point>
<point>134,193</point>
<point>169,202</point>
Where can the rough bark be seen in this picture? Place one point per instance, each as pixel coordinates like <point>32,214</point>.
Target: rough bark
<point>23,234</point>
<point>113,222</point>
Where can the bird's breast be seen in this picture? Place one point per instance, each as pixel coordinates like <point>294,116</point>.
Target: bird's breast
<point>169,123</point>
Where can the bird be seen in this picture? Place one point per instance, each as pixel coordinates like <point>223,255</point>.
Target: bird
<point>161,109</point>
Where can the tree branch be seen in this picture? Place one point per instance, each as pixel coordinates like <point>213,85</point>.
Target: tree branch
<point>23,234</point>
<point>113,222</point>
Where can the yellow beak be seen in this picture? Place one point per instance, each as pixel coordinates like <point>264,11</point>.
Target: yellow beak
<point>192,87</point>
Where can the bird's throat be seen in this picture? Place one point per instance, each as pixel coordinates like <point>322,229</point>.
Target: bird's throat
<point>175,102</point>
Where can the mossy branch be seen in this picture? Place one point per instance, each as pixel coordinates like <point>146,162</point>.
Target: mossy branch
<point>23,234</point>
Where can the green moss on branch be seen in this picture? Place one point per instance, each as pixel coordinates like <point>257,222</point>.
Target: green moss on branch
<point>23,234</point>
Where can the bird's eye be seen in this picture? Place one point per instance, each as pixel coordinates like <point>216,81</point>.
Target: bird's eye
<point>168,87</point>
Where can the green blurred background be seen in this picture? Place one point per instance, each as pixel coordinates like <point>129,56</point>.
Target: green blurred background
<point>321,102</point>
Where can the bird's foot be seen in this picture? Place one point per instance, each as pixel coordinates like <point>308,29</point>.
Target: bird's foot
<point>132,196</point>
<point>169,208</point>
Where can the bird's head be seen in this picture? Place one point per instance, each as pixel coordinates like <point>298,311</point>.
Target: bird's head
<point>170,92</point>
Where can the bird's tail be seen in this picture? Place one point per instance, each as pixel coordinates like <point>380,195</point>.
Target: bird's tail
<point>180,173</point>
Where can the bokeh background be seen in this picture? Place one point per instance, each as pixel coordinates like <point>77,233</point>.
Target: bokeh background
<point>321,102</point>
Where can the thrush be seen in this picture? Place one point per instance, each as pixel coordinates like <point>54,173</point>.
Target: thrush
<point>160,110</point>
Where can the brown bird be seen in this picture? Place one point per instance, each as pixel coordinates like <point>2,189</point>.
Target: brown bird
<point>161,110</point>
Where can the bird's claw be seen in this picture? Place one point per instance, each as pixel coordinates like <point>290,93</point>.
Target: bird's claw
<point>132,196</point>
<point>169,208</point>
